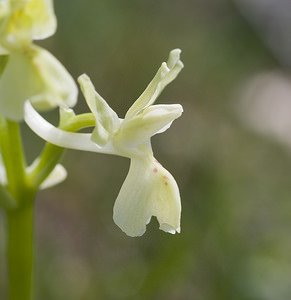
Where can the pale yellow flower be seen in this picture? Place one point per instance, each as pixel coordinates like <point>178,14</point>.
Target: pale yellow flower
<point>149,189</point>
<point>31,72</point>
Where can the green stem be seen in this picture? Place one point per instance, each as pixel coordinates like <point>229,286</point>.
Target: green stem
<point>19,218</point>
<point>20,252</point>
<point>19,206</point>
<point>13,157</point>
<point>22,187</point>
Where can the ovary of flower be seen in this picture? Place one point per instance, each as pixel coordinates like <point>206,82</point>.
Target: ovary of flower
<point>31,72</point>
<point>149,189</point>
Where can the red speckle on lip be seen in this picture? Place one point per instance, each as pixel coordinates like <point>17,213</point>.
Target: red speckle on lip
<point>155,170</point>
<point>166,180</point>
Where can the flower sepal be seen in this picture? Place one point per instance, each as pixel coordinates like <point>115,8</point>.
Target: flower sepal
<point>37,75</point>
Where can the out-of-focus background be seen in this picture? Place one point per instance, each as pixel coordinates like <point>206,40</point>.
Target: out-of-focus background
<point>229,152</point>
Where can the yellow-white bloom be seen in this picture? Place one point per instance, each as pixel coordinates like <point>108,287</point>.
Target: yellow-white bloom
<point>31,72</point>
<point>149,189</point>
<point>22,21</point>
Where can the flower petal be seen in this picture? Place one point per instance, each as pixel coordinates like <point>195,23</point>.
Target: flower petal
<point>18,82</point>
<point>17,5</point>
<point>154,119</point>
<point>33,19</point>
<point>61,138</point>
<point>59,86</point>
<point>57,175</point>
<point>43,16</point>
<point>166,73</point>
<point>107,121</point>
<point>37,75</point>
<point>148,190</point>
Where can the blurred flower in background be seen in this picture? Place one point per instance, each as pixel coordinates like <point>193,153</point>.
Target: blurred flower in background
<point>235,182</point>
<point>265,105</point>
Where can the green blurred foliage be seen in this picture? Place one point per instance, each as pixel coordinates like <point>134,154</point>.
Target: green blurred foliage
<point>235,185</point>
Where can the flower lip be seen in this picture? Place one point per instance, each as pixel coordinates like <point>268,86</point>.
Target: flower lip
<point>146,193</point>
<point>170,229</point>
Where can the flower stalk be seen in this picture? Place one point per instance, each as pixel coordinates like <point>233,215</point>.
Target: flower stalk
<point>17,198</point>
<point>19,211</point>
<point>20,250</point>
<point>13,157</point>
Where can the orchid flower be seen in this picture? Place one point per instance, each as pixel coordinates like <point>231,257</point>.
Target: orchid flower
<point>34,72</point>
<point>24,20</point>
<point>149,189</point>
